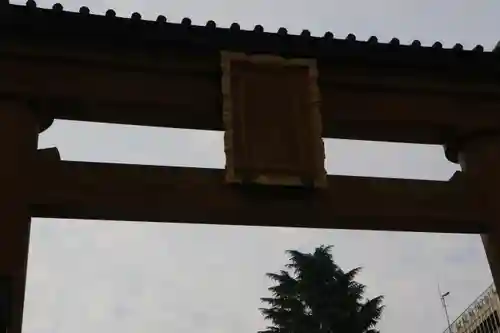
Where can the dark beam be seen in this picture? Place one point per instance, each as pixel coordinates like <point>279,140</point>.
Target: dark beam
<point>68,29</point>
<point>181,89</point>
<point>83,190</point>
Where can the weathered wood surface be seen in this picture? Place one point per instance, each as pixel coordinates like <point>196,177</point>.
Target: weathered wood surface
<point>168,194</point>
<point>18,134</point>
<point>272,121</point>
<point>182,90</point>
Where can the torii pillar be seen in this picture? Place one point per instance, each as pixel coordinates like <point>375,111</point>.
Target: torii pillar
<point>19,129</point>
<point>479,157</point>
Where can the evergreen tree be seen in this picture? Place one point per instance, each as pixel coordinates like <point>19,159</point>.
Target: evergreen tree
<point>314,295</point>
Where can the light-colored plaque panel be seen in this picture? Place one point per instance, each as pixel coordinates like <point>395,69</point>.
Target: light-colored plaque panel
<point>271,111</point>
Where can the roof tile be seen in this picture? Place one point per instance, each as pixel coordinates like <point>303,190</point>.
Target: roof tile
<point>84,26</point>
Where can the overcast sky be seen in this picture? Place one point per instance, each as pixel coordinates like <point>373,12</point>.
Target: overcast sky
<point>103,277</point>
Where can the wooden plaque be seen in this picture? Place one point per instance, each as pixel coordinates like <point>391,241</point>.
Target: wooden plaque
<point>272,121</point>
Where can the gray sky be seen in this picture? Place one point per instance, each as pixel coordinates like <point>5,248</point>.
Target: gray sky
<point>101,277</point>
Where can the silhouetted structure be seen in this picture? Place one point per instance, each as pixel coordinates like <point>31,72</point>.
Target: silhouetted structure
<point>481,316</point>
<point>274,94</point>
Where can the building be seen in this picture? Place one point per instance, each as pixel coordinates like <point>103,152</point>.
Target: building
<point>482,316</point>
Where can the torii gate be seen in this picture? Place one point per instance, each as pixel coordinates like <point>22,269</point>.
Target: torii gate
<point>274,94</point>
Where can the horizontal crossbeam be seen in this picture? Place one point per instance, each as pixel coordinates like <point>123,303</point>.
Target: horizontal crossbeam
<point>84,190</point>
<point>181,89</point>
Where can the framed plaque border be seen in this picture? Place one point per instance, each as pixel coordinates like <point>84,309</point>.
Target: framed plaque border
<point>231,176</point>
